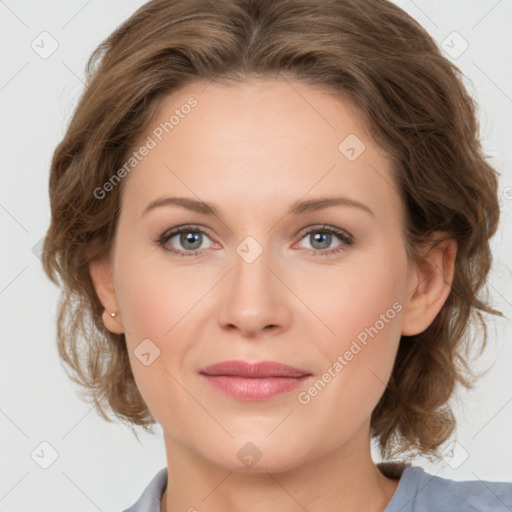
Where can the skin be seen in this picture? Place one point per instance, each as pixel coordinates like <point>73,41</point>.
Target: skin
<point>253,149</point>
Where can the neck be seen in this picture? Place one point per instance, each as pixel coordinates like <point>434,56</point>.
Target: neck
<point>344,479</point>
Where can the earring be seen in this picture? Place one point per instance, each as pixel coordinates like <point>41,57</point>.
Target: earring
<point>112,321</point>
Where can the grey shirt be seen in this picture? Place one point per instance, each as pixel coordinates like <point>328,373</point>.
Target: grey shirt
<point>417,491</point>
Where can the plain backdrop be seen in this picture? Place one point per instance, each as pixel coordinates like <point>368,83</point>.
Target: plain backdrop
<point>101,466</point>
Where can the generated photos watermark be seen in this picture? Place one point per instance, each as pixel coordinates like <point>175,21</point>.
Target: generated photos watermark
<point>305,397</point>
<point>152,141</point>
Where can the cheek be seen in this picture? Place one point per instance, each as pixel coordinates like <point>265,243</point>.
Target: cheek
<point>144,306</point>
<point>151,305</point>
<point>365,292</point>
<point>159,302</point>
<point>373,307</point>
<point>153,293</point>
<point>365,314</point>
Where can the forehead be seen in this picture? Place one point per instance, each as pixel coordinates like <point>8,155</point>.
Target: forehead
<point>260,141</point>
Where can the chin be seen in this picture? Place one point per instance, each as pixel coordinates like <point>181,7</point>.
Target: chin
<point>259,456</point>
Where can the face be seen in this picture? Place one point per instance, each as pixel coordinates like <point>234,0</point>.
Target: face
<point>272,275</point>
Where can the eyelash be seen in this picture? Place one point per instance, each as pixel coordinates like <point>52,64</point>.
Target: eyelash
<point>347,239</point>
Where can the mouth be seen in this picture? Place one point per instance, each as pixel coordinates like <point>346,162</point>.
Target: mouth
<point>258,381</point>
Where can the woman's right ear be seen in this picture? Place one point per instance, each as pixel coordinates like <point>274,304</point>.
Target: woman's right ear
<point>103,281</point>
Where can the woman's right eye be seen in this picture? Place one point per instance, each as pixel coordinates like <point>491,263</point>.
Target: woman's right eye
<point>190,238</point>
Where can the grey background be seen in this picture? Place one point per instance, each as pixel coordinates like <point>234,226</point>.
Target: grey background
<point>100,466</point>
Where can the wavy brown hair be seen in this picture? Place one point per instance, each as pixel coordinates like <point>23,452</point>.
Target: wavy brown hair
<point>369,52</point>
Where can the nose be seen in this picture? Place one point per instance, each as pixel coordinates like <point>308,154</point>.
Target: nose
<point>254,299</point>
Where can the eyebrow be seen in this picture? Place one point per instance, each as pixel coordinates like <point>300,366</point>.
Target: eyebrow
<point>298,208</point>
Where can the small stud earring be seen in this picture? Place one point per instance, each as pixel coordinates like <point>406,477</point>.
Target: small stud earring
<point>113,314</point>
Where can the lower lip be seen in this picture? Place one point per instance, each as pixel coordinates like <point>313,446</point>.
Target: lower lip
<point>255,388</point>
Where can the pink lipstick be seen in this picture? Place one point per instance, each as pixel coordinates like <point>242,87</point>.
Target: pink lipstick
<point>258,381</point>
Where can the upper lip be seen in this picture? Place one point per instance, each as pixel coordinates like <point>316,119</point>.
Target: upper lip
<point>253,370</point>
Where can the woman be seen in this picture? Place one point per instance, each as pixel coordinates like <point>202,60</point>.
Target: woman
<point>322,159</point>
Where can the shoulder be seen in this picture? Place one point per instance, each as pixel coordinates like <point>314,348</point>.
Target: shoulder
<point>149,500</point>
<point>427,492</point>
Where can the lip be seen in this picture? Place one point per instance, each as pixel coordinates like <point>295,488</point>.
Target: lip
<point>264,369</point>
<point>254,381</point>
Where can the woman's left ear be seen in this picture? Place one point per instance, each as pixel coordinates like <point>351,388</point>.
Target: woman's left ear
<point>429,284</point>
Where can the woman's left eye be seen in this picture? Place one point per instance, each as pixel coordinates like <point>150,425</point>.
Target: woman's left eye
<point>322,237</point>
<point>191,239</point>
